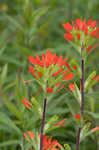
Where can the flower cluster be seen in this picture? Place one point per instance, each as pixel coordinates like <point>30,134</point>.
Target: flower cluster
<point>48,143</point>
<point>95,78</point>
<point>82,31</point>
<point>26,103</point>
<point>50,71</point>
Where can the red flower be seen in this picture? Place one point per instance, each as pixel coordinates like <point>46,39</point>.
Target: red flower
<point>75,67</point>
<point>57,85</point>
<point>47,143</point>
<point>51,145</point>
<point>71,87</point>
<point>49,90</point>
<point>26,103</point>
<point>68,36</point>
<point>69,76</point>
<point>47,60</point>
<point>49,69</point>
<point>55,74</point>
<point>78,36</point>
<point>32,71</point>
<point>61,123</point>
<point>96,78</point>
<point>79,29</point>
<point>94,33</point>
<point>77,116</point>
<point>89,48</point>
<point>67,26</point>
<point>39,74</point>
<point>31,135</point>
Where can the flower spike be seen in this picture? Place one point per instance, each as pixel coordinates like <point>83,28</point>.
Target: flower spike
<point>50,68</point>
<point>81,31</point>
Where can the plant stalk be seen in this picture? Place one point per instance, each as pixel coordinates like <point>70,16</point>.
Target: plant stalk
<point>78,139</point>
<point>82,101</point>
<point>43,123</point>
<point>82,87</point>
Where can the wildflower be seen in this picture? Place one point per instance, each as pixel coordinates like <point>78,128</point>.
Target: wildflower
<point>68,76</point>
<point>95,78</point>
<point>59,86</point>
<point>51,145</point>
<point>71,87</point>
<point>75,67</point>
<point>48,143</point>
<point>31,135</point>
<point>61,123</point>
<point>26,103</point>
<point>89,48</point>
<point>49,90</point>
<point>49,70</point>
<point>77,116</point>
<point>81,31</point>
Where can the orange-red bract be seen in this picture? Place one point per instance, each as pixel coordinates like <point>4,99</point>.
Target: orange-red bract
<point>77,116</point>
<point>48,143</point>
<point>49,68</point>
<point>71,87</point>
<point>80,29</point>
<point>26,103</point>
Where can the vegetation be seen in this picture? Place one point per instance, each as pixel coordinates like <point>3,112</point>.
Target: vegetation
<point>28,27</point>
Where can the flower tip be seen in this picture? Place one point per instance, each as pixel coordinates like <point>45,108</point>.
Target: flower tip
<point>77,116</point>
<point>49,90</point>
<point>75,67</point>
<point>71,87</point>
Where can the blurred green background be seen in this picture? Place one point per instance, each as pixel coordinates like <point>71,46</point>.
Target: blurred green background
<point>28,27</point>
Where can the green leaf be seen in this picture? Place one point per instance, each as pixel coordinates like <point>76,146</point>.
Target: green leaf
<point>37,14</point>
<point>27,8</point>
<point>89,82</point>
<point>23,88</point>
<point>5,58</point>
<point>85,129</point>
<point>94,95</point>
<point>94,115</point>
<point>4,119</point>
<point>18,93</point>
<point>86,135</point>
<point>3,75</point>
<point>77,94</point>
<point>67,147</point>
<point>10,142</point>
<point>14,22</point>
<point>2,49</point>
<point>13,109</point>
<point>49,125</point>
<point>38,2</point>
<point>23,48</point>
<point>11,84</point>
<point>37,108</point>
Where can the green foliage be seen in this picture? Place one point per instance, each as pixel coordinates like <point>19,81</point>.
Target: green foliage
<point>28,27</point>
<point>67,147</point>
